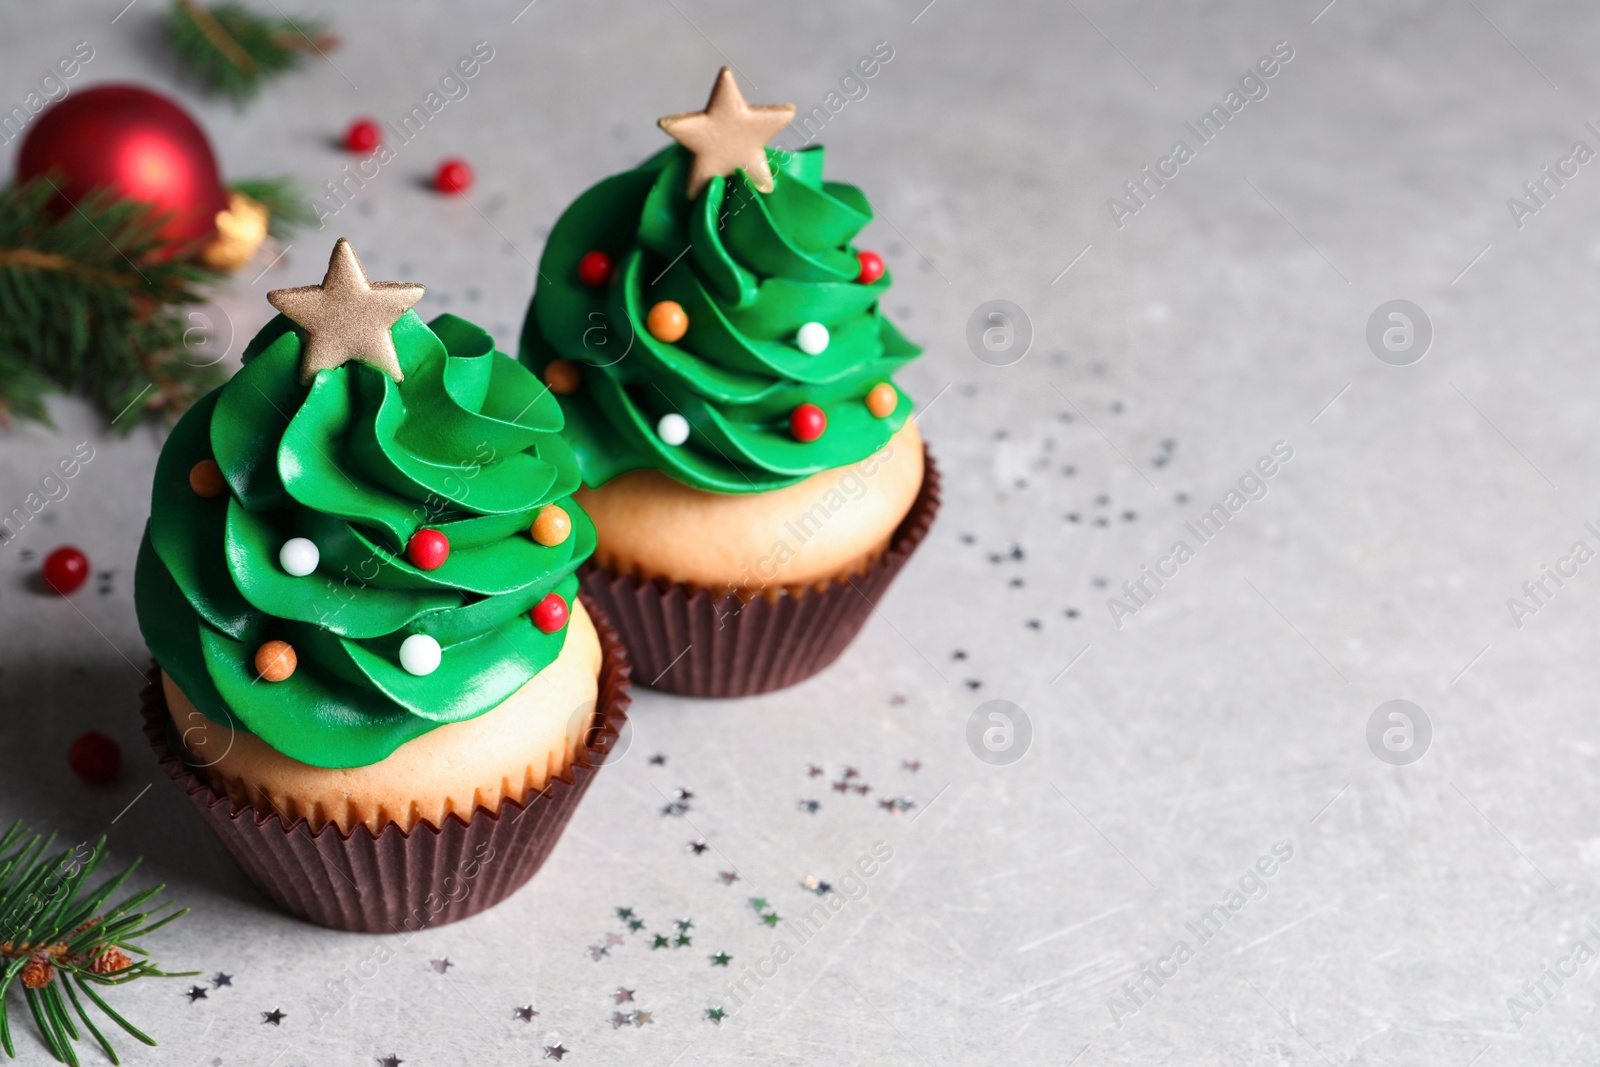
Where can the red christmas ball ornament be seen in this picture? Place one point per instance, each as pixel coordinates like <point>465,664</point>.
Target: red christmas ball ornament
<point>95,757</point>
<point>427,550</point>
<point>363,136</point>
<point>453,176</point>
<point>807,422</point>
<point>594,269</point>
<point>65,569</point>
<point>550,614</point>
<point>134,144</point>
<point>871,267</point>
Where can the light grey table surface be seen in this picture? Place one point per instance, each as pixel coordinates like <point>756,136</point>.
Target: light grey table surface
<point>1421,905</point>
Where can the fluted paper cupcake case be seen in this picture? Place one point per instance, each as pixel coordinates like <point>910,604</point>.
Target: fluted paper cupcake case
<point>685,639</point>
<point>394,881</point>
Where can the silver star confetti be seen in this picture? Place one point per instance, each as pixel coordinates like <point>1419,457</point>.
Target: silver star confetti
<point>715,1015</point>
<point>619,1020</point>
<point>391,1060</point>
<point>525,1013</point>
<point>697,846</point>
<point>813,771</point>
<point>622,996</point>
<point>658,760</point>
<point>613,940</point>
<point>642,1017</point>
<point>221,980</point>
<point>597,951</point>
<point>275,1017</point>
<point>912,765</point>
<point>810,805</point>
<point>440,965</point>
<point>728,877</point>
<point>197,992</point>
<point>555,1051</point>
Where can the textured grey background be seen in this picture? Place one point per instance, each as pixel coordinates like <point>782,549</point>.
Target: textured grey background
<point>1228,715</point>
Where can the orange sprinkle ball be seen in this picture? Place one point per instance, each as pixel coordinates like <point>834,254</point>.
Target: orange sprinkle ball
<point>667,321</point>
<point>206,479</point>
<point>276,661</point>
<point>883,400</point>
<point>551,526</point>
<point>562,376</point>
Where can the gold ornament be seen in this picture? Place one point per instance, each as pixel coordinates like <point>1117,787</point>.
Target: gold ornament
<point>728,134</point>
<point>347,317</point>
<point>241,227</point>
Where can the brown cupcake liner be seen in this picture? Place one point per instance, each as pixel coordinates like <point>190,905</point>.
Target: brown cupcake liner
<point>685,639</point>
<point>395,882</point>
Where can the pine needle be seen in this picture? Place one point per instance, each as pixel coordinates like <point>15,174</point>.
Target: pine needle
<point>284,200</point>
<point>233,51</point>
<point>91,303</point>
<point>42,919</point>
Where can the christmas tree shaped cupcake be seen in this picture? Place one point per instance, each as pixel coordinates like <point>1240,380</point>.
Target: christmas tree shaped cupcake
<point>358,583</point>
<point>716,341</point>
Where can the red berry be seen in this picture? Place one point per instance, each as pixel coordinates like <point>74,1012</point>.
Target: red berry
<point>871,267</point>
<point>807,422</point>
<point>95,757</point>
<point>594,269</point>
<point>363,136</point>
<point>428,549</point>
<point>65,569</point>
<point>453,176</point>
<point>550,614</point>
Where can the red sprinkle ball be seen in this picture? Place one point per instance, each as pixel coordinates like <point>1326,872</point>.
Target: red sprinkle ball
<point>871,267</point>
<point>363,136</point>
<point>550,614</point>
<point>594,269</point>
<point>427,550</point>
<point>453,176</point>
<point>95,757</point>
<point>807,422</point>
<point>65,569</point>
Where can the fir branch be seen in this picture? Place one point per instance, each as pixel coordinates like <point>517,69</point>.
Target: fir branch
<point>91,303</point>
<point>233,51</point>
<point>49,940</point>
<point>286,203</point>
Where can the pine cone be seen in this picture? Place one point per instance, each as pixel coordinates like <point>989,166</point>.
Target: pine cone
<point>85,925</point>
<point>38,971</point>
<point>112,959</point>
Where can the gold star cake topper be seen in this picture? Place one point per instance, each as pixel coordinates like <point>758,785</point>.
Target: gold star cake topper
<point>347,317</point>
<point>728,134</point>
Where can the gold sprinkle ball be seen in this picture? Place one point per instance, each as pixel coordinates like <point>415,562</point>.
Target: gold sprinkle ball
<point>206,479</point>
<point>562,376</point>
<point>276,661</point>
<point>883,400</point>
<point>551,526</point>
<point>667,321</point>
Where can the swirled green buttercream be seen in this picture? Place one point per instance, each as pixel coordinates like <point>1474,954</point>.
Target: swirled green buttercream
<point>750,269</point>
<point>468,444</point>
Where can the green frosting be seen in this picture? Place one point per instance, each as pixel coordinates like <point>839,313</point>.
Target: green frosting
<point>749,269</point>
<point>468,444</point>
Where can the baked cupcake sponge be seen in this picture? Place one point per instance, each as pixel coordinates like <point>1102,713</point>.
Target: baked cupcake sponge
<point>828,527</point>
